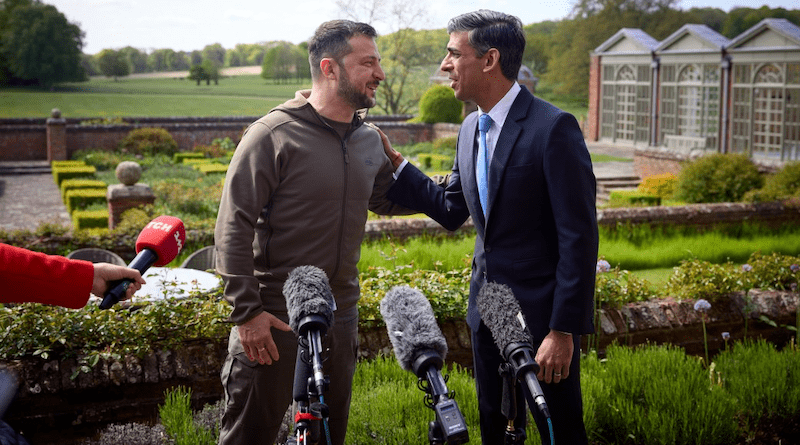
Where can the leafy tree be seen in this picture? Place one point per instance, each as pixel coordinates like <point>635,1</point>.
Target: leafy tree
<point>197,73</point>
<point>254,54</point>
<point>740,20</point>
<point>137,60</point>
<point>196,57</point>
<point>180,61</point>
<point>89,65</point>
<point>215,53</point>
<point>409,57</point>
<point>284,61</point>
<point>538,38</point>
<point>211,68</point>
<point>592,23</point>
<point>113,64</point>
<point>6,6</point>
<point>233,58</point>
<point>160,60</point>
<point>39,45</point>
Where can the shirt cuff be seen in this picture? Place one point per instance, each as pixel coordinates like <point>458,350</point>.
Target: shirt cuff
<point>400,168</point>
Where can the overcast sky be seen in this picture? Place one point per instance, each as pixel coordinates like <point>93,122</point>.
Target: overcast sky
<point>186,25</point>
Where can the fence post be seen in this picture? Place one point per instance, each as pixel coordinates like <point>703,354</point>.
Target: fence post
<point>56,136</point>
<point>128,194</point>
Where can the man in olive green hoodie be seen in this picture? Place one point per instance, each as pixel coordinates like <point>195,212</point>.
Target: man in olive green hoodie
<point>297,193</point>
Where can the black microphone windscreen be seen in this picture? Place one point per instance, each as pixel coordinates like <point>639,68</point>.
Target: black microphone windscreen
<point>500,313</point>
<point>308,292</point>
<point>411,325</point>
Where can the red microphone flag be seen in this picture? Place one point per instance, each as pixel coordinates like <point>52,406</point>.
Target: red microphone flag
<point>164,235</point>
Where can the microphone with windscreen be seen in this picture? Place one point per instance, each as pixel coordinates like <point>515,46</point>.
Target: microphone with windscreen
<point>501,313</point>
<point>420,347</point>
<point>158,244</point>
<point>310,303</point>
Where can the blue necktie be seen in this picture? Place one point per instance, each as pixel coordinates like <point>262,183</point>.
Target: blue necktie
<point>484,123</point>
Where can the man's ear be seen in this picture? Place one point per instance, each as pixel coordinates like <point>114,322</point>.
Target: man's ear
<point>491,60</point>
<point>326,65</point>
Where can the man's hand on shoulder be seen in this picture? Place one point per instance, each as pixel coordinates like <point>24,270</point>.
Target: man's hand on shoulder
<point>391,153</point>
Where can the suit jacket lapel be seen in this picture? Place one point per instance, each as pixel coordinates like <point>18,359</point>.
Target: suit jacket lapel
<point>507,142</point>
<point>468,149</point>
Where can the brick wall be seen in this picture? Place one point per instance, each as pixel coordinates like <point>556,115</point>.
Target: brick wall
<point>23,142</point>
<point>592,127</point>
<point>26,139</point>
<point>649,162</point>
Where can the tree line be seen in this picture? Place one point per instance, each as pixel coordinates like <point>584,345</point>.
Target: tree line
<point>38,46</point>
<point>558,52</point>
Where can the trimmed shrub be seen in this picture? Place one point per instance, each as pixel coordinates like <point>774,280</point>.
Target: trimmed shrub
<point>193,162</point>
<point>718,178</point>
<point>71,172</point>
<point>211,168</point>
<point>433,161</point>
<point>60,164</point>
<point>83,198</point>
<point>181,157</point>
<point>439,104</point>
<point>632,198</point>
<point>76,184</point>
<point>90,219</point>
<point>447,144</point>
<point>662,185</point>
<point>784,184</point>
<point>149,141</point>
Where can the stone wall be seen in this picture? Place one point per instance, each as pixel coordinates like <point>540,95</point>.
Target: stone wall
<point>659,160</point>
<point>773,214</point>
<point>27,140</point>
<point>51,407</point>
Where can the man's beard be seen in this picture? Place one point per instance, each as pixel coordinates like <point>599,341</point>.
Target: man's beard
<point>351,95</point>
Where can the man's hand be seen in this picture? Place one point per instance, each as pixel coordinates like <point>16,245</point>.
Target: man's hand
<point>256,337</point>
<point>106,272</point>
<point>554,357</point>
<point>391,153</point>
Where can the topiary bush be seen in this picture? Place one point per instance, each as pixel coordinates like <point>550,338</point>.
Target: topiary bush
<point>662,185</point>
<point>439,104</point>
<point>149,141</point>
<point>718,178</point>
<point>784,184</point>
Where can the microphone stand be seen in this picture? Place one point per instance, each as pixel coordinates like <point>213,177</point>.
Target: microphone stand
<point>449,426</point>
<point>519,357</point>
<point>310,382</point>
<point>514,435</point>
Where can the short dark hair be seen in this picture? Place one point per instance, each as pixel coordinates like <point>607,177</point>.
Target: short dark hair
<point>331,39</point>
<point>489,29</point>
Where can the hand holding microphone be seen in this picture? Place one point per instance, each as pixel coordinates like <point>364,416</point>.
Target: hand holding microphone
<point>158,244</point>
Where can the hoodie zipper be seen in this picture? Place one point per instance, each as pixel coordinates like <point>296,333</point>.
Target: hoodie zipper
<point>343,218</point>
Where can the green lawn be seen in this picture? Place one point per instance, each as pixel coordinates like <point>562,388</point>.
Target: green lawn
<point>105,98</point>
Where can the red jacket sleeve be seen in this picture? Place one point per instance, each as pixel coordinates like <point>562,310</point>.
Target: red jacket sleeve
<point>27,276</point>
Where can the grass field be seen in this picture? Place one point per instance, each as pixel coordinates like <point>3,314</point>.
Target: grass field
<point>244,95</point>
<point>157,97</point>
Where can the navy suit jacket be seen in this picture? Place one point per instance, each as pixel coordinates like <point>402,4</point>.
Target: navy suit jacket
<point>540,233</point>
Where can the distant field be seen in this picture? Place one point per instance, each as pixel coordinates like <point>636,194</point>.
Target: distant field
<point>234,96</point>
<point>156,96</point>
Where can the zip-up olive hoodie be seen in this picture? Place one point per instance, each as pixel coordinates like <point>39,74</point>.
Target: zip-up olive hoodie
<point>297,194</point>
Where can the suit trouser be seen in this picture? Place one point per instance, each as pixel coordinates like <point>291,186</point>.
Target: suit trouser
<point>257,396</point>
<point>563,398</point>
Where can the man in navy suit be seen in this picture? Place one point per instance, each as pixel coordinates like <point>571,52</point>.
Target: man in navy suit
<point>536,223</point>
